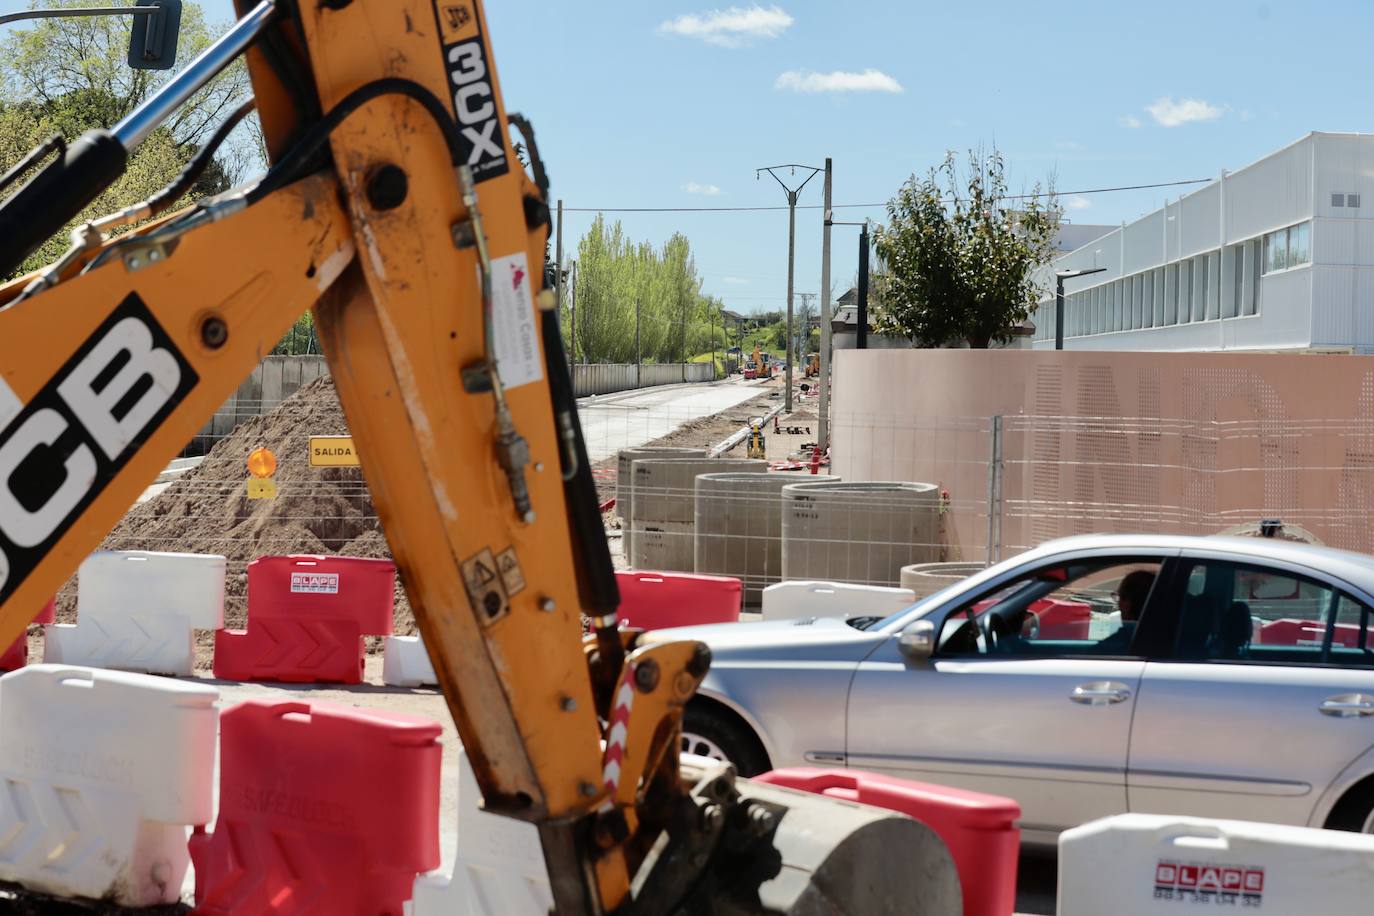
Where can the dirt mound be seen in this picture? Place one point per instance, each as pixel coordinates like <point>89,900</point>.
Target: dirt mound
<point>207,509</point>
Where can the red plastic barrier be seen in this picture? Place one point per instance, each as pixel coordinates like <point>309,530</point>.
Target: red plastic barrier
<point>17,655</point>
<point>1062,619</point>
<point>306,619</point>
<point>1289,632</point>
<point>1055,619</point>
<point>323,810</point>
<point>980,830</point>
<point>654,600</point>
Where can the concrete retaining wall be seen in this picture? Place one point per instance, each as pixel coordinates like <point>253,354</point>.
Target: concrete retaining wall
<point>278,377</point>
<point>611,377</point>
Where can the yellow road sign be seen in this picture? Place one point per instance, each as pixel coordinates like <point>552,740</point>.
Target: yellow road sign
<point>332,452</point>
<point>261,488</point>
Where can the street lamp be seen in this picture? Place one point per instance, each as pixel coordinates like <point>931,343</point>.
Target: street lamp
<point>1059,277</point>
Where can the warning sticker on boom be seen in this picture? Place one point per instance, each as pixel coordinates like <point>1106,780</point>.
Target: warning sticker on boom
<point>517,342</point>
<point>511,574</point>
<point>486,589</point>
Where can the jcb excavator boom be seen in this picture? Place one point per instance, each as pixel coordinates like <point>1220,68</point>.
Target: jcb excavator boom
<point>396,207</point>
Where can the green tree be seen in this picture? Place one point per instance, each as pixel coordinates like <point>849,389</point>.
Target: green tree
<point>65,76</point>
<point>957,262</point>
<point>614,274</point>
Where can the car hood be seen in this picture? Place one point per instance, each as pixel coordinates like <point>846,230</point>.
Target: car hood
<point>810,639</point>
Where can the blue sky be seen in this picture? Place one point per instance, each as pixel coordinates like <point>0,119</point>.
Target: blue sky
<point>637,106</point>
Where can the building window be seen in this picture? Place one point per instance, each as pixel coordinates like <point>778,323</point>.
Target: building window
<point>1253,267</point>
<point>1233,269</point>
<point>1185,292</point>
<point>1200,288</point>
<point>1214,285</point>
<point>1171,294</point>
<point>1149,305</point>
<point>1352,200</point>
<point>1337,199</point>
<point>1287,248</point>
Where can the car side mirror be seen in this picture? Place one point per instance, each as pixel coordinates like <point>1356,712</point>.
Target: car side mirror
<point>917,642</point>
<point>153,38</point>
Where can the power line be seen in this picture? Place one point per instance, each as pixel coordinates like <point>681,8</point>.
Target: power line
<point>1129,187</point>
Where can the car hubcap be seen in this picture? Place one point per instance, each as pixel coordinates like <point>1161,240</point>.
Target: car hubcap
<point>702,746</point>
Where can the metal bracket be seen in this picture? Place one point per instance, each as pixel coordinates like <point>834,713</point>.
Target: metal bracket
<point>139,255</point>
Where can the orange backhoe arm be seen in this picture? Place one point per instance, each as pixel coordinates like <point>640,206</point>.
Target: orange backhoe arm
<point>395,207</point>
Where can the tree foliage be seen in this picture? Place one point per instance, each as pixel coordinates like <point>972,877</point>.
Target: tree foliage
<point>956,261</point>
<point>676,320</point>
<point>66,76</point>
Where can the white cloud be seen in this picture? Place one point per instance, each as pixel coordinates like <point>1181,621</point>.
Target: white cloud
<point>837,81</point>
<point>736,27</point>
<point>1170,113</point>
<point>1129,121</point>
<point>1077,202</point>
<point>709,190</point>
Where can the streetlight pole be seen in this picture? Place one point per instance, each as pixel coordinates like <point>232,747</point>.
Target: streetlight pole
<point>791,254</point>
<point>862,327</point>
<point>1059,277</point>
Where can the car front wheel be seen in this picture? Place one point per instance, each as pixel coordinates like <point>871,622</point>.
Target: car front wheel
<point>710,732</point>
<point>1355,812</point>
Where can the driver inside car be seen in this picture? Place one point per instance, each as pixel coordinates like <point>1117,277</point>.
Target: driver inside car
<point>1130,597</point>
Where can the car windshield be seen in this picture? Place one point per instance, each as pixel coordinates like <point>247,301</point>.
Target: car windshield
<point>877,623</point>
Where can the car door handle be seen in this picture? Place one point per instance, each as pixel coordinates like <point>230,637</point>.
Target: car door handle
<point>1348,705</point>
<point>1100,693</point>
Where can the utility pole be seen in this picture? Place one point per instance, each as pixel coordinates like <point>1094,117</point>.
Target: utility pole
<point>861,341</point>
<point>804,332</point>
<point>558,263</point>
<point>711,325</point>
<point>572,314</point>
<point>823,375</point>
<point>791,254</point>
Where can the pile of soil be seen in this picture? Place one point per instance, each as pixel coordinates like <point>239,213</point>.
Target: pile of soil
<point>317,511</point>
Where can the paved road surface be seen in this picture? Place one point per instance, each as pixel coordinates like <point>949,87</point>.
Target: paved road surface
<point>615,421</point>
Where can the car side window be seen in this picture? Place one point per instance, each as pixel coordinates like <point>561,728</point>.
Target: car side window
<point>1246,613</point>
<point>1083,608</point>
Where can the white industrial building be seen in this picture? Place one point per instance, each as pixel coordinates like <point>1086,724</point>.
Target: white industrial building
<point>1276,256</point>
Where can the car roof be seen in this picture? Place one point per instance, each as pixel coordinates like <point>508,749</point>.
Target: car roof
<point>1357,568</point>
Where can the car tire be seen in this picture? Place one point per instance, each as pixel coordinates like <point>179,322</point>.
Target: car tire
<point>711,732</point>
<point>1355,811</point>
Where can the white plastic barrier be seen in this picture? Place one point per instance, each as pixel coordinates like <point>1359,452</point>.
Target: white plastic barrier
<point>500,867</point>
<point>138,610</point>
<point>101,772</point>
<point>791,600</point>
<point>1143,864</point>
<point>405,663</point>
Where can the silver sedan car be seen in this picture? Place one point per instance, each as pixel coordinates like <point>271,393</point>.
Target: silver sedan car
<point>1218,677</point>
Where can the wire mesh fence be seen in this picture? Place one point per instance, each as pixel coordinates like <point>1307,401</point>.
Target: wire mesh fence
<point>1019,480</point>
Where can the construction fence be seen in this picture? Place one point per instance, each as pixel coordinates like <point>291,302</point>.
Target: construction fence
<point>1075,443</point>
